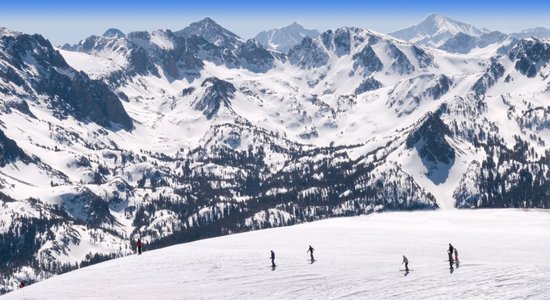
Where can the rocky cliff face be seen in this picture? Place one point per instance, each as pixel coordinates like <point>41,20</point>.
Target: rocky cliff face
<point>67,91</point>
<point>255,57</point>
<point>9,151</point>
<point>530,56</point>
<point>429,140</point>
<point>216,94</point>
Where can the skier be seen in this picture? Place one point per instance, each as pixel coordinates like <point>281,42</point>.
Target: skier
<point>310,250</point>
<point>406,262</point>
<point>272,259</point>
<point>22,284</point>
<point>451,250</point>
<point>139,244</point>
<point>450,259</point>
<point>456,256</point>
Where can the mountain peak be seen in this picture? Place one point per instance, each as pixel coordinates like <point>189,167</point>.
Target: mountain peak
<point>294,25</point>
<point>441,21</point>
<point>436,17</point>
<point>535,29</point>
<point>207,20</point>
<point>539,32</point>
<point>435,23</point>
<point>207,24</point>
<point>284,38</point>
<point>6,32</point>
<point>114,33</point>
<point>213,32</point>
<point>435,30</point>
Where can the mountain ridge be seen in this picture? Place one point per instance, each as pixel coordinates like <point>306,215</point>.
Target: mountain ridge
<point>284,38</point>
<point>229,138</point>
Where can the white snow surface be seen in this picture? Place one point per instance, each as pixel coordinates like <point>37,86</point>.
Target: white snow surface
<point>503,253</point>
<point>95,66</point>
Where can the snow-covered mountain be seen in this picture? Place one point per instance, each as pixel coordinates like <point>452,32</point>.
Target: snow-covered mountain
<point>502,255</point>
<point>537,32</point>
<point>441,32</point>
<point>283,39</point>
<point>114,33</point>
<point>492,43</point>
<point>177,136</point>
<point>435,30</point>
<point>213,33</point>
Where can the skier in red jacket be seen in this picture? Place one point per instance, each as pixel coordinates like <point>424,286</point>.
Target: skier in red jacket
<point>139,244</point>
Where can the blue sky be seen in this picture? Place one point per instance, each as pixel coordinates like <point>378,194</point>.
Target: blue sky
<point>69,21</point>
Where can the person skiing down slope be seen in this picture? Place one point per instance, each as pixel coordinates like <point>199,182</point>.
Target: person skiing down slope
<point>139,244</point>
<point>451,250</point>
<point>272,259</point>
<point>456,256</point>
<point>310,250</point>
<point>450,259</point>
<point>406,262</point>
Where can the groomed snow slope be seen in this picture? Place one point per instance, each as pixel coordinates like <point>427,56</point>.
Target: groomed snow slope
<point>504,255</point>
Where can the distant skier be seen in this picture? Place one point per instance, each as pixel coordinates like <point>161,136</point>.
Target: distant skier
<point>310,250</point>
<point>139,245</point>
<point>272,259</point>
<point>451,250</point>
<point>456,256</point>
<point>450,259</point>
<point>22,284</point>
<point>406,262</point>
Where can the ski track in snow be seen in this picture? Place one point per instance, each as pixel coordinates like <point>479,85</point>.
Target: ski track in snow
<point>504,255</point>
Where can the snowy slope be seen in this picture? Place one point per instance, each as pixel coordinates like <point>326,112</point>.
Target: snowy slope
<point>95,66</point>
<point>503,255</point>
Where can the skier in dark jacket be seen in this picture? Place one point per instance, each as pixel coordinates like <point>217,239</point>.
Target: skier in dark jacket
<point>456,256</point>
<point>450,259</point>
<point>272,259</point>
<point>406,262</point>
<point>451,249</point>
<point>139,244</point>
<point>310,250</point>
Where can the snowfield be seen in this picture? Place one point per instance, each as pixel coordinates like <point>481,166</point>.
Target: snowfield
<point>504,255</point>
